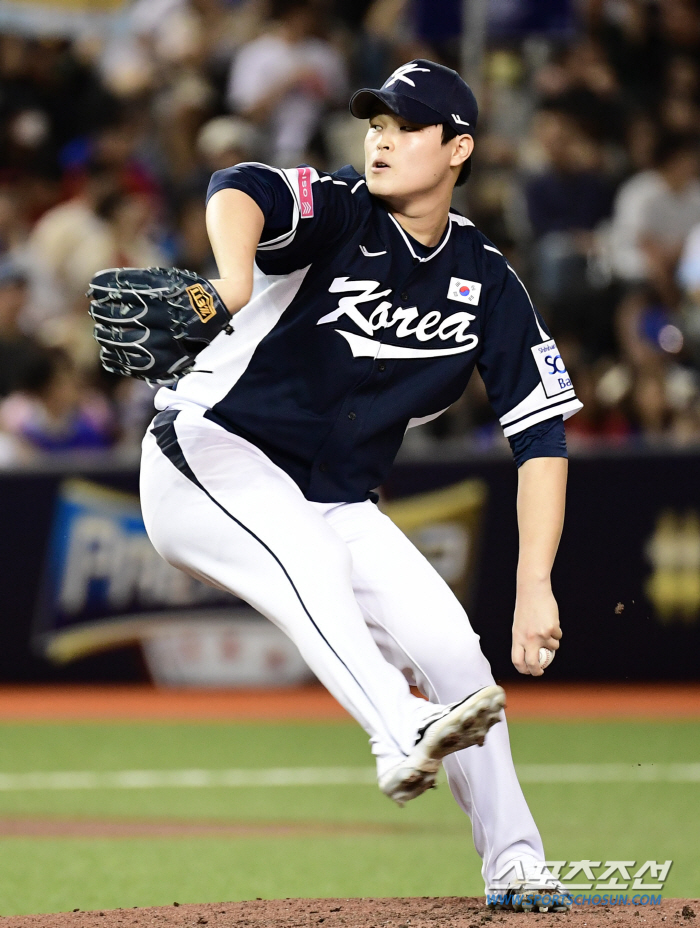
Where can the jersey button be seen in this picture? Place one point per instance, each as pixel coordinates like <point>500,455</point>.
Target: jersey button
<point>352,415</point>
<point>382,366</point>
<point>404,296</point>
<point>323,468</point>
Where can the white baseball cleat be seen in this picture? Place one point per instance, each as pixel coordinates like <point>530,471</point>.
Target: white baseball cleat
<point>534,890</point>
<point>454,728</point>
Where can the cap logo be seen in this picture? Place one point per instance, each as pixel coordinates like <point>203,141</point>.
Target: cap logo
<point>400,74</point>
<point>459,120</point>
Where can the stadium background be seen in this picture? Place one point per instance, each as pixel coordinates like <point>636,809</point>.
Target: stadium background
<point>587,175</point>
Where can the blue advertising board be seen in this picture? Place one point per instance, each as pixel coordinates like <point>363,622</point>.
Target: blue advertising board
<point>80,583</point>
<point>103,580</point>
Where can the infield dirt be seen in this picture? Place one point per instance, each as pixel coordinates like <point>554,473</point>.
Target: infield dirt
<point>448,912</point>
<point>526,700</point>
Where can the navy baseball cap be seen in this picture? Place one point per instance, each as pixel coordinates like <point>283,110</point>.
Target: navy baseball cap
<point>423,92</point>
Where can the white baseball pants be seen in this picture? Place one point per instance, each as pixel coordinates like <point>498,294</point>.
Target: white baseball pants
<point>367,611</point>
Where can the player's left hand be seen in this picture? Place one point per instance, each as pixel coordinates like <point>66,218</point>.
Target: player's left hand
<point>151,323</point>
<point>535,626</point>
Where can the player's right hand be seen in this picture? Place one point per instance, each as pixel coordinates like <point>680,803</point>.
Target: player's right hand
<point>535,626</point>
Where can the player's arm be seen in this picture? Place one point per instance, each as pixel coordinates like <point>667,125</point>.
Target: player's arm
<point>281,220</point>
<point>178,312</point>
<point>235,224</point>
<point>531,393</point>
<point>541,502</point>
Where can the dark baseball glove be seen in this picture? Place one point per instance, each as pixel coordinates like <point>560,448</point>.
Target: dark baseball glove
<point>151,323</point>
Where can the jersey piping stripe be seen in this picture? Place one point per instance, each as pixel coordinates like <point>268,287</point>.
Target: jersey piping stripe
<point>460,220</point>
<point>569,397</point>
<point>286,237</point>
<point>408,244</point>
<point>279,242</point>
<point>565,409</point>
<point>539,415</point>
<point>358,184</point>
<point>494,250</point>
<point>533,402</point>
<point>166,437</point>
<point>543,334</point>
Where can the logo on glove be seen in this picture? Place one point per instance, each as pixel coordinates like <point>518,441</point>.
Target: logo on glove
<point>202,302</point>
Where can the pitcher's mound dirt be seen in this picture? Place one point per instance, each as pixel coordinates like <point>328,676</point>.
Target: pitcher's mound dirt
<point>448,912</point>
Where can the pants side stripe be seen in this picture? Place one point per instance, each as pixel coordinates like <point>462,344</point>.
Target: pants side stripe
<point>167,440</point>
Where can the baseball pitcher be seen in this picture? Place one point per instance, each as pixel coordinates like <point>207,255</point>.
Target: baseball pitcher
<point>349,308</point>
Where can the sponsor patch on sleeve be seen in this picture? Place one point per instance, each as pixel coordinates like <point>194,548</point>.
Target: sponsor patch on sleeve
<point>553,373</point>
<point>464,291</point>
<point>306,196</point>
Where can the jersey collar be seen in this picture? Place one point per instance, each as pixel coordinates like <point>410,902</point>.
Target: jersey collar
<point>438,248</point>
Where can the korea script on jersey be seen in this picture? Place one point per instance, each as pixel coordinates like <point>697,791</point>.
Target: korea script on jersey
<point>384,316</point>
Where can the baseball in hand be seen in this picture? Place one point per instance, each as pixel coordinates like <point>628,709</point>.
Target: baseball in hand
<point>546,657</point>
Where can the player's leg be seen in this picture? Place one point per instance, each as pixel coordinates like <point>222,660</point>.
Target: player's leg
<point>218,508</point>
<point>421,627</point>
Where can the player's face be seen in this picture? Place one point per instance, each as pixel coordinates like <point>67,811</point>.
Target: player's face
<point>404,159</point>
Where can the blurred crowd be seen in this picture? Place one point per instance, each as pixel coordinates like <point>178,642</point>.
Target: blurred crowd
<point>586,174</point>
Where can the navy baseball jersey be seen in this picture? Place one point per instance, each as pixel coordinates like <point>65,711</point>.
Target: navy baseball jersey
<point>355,332</point>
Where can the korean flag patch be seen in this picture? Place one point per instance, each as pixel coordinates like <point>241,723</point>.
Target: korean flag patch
<point>464,291</point>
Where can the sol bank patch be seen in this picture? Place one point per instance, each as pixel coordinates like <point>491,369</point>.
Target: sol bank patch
<point>553,373</point>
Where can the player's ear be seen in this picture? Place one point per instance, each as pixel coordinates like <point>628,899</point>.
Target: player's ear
<point>463,146</point>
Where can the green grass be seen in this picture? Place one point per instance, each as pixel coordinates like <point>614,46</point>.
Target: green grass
<point>52,876</point>
<point>424,849</point>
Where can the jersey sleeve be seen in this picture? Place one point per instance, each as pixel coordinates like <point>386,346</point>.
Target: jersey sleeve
<point>305,212</point>
<point>525,377</point>
<point>544,440</point>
